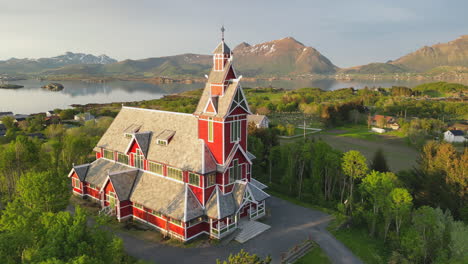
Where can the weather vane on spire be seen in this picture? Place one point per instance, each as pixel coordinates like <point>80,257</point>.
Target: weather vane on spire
<point>222,32</point>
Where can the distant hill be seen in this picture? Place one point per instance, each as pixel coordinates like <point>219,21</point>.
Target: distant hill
<point>375,68</point>
<point>15,65</point>
<point>278,57</point>
<point>185,64</point>
<point>453,53</point>
<point>285,56</point>
<point>431,59</point>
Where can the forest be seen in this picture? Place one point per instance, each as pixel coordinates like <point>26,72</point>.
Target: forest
<point>419,214</point>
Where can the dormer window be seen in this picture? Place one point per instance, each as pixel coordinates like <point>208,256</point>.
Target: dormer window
<point>161,142</point>
<point>165,137</point>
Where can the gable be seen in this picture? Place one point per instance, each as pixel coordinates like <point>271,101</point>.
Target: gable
<point>210,107</point>
<point>239,101</point>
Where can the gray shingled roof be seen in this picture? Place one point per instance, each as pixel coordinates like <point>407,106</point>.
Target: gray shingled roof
<point>144,140</point>
<point>123,183</point>
<point>100,169</point>
<point>219,205</point>
<point>193,209</point>
<point>81,171</point>
<point>257,194</point>
<point>257,119</point>
<point>238,193</point>
<point>165,135</point>
<point>171,198</point>
<point>258,184</point>
<point>222,48</point>
<point>223,102</point>
<point>185,150</point>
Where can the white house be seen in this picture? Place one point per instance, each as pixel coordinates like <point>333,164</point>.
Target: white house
<point>84,117</point>
<point>454,136</point>
<point>50,113</point>
<point>260,121</point>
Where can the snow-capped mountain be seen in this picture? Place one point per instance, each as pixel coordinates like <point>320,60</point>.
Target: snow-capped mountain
<point>80,58</point>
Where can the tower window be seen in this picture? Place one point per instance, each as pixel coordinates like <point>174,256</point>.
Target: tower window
<point>235,130</point>
<point>210,130</point>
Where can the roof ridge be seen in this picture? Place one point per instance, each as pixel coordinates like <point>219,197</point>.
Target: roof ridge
<point>155,110</point>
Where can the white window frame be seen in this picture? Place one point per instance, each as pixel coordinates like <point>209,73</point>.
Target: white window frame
<point>236,126</point>
<point>109,151</point>
<point>181,173</point>
<point>156,164</point>
<point>139,155</point>
<point>75,180</point>
<point>119,154</point>
<point>208,179</point>
<point>198,179</point>
<point>235,171</point>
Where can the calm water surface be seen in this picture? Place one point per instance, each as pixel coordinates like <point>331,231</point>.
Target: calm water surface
<point>33,99</point>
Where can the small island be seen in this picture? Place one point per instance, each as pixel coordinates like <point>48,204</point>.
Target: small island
<point>53,87</point>
<point>10,86</point>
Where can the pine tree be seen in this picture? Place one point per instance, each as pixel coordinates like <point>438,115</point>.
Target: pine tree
<point>379,163</point>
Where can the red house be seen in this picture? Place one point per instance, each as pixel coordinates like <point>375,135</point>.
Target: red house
<point>184,174</point>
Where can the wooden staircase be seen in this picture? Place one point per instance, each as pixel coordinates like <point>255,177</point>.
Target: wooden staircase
<point>250,229</point>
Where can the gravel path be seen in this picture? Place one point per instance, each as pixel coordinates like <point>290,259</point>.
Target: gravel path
<point>290,225</point>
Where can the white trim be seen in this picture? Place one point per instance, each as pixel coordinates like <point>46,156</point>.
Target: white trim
<point>203,155</point>
<point>185,202</point>
<point>208,103</point>
<point>121,218</point>
<point>93,197</point>
<point>194,236</point>
<point>217,202</point>
<point>80,194</point>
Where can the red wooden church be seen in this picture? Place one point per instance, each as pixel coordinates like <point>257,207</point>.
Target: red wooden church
<point>184,174</point>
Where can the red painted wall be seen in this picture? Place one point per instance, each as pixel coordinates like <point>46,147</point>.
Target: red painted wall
<point>200,227</point>
<point>198,192</point>
<point>98,155</point>
<point>134,147</point>
<point>208,192</point>
<point>216,146</point>
<point>92,192</point>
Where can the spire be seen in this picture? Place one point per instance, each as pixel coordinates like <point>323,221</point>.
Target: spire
<point>222,32</point>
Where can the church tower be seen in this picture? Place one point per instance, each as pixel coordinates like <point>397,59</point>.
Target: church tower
<point>222,118</point>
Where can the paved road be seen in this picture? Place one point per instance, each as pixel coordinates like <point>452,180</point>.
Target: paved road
<point>290,225</point>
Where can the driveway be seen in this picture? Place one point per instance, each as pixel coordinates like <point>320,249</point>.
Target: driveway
<point>290,225</point>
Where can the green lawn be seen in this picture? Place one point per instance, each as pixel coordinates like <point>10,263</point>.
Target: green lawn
<point>368,249</point>
<point>315,256</point>
<point>354,131</point>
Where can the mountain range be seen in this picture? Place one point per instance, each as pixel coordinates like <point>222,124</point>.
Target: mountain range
<point>15,65</point>
<point>428,58</point>
<point>283,57</point>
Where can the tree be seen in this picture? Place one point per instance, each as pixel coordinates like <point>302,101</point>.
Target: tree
<point>43,191</point>
<point>400,206</point>
<point>354,165</point>
<point>245,258</point>
<point>425,239</point>
<point>379,162</point>
<point>377,186</point>
<point>60,238</point>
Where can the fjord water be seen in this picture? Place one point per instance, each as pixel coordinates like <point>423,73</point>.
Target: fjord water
<point>33,99</point>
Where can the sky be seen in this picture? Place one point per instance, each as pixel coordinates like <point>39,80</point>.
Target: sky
<point>347,32</point>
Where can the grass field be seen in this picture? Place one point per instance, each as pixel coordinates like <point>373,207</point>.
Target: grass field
<point>369,250</point>
<point>315,256</point>
<point>398,154</point>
